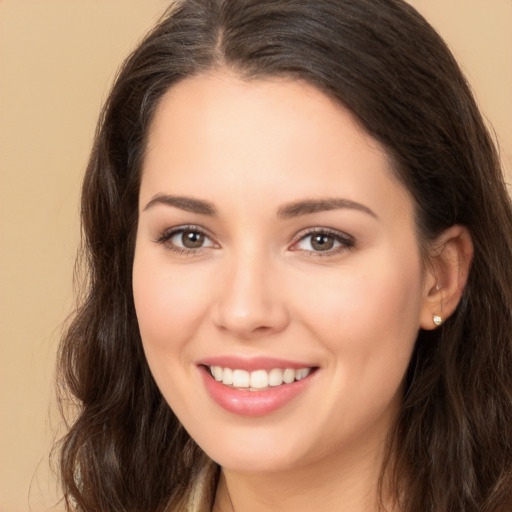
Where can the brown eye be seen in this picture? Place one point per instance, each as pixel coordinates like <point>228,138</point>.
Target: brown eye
<point>322,242</point>
<point>192,239</point>
<point>186,239</point>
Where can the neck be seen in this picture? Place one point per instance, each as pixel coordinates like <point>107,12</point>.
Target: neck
<point>342,482</point>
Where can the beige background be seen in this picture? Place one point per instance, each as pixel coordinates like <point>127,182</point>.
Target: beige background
<point>57,59</point>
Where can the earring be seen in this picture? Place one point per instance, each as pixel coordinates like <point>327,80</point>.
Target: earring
<point>437,320</point>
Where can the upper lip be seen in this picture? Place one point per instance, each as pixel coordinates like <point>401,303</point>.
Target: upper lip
<point>253,363</point>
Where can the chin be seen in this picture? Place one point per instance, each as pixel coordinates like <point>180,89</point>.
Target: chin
<point>260,451</point>
<point>256,461</point>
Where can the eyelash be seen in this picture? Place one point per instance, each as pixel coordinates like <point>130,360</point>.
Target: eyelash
<point>346,242</point>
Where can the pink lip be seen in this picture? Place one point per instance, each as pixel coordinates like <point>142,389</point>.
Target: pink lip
<point>253,403</point>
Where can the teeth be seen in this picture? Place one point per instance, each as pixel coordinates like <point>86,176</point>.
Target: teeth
<point>217,373</point>
<point>241,379</point>
<point>289,375</point>
<point>259,379</point>
<point>302,373</point>
<point>275,377</point>
<point>227,376</point>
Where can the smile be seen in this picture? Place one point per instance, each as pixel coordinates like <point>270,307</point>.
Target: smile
<point>257,386</point>
<point>259,379</point>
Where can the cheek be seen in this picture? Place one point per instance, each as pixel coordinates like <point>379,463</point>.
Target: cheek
<point>367,316</point>
<point>366,295</point>
<point>169,304</point>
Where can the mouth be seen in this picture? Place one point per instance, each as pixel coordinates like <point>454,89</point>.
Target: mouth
<point>256,387</point>
<point>257,380</point>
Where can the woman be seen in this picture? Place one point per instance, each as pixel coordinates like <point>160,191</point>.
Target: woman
<point>298,240</point>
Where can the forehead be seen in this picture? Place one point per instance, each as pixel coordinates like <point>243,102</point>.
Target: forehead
<point>253,108</point>
<point>216,128</point>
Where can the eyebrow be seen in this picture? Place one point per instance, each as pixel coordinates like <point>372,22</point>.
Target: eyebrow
<point>321,205</point>
<point>187,204</point>
<point>287,211</point>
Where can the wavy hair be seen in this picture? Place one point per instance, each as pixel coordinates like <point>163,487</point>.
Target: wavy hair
<point>451,448</point>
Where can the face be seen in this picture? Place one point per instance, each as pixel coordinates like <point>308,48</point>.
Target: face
<point>276,251</point>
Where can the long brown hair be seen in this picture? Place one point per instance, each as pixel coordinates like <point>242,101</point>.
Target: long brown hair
<point>452,445</point>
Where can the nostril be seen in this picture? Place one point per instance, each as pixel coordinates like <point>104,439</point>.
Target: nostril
<point>262,328</point>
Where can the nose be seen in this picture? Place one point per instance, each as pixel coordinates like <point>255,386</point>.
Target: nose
<point>251,301</point>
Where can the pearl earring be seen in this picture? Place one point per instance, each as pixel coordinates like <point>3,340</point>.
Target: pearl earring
<point>437,320</point>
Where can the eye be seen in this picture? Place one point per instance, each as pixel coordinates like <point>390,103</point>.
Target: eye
<point>323,240</point>
<point>189,239</point>
<point>186,239</point>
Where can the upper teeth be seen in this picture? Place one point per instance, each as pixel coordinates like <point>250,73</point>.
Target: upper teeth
<point>258,379</point>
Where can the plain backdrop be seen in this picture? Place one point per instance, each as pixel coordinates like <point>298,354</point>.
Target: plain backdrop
<point>57,60</point>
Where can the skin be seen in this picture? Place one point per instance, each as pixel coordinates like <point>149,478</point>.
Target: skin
<point>258,287</point>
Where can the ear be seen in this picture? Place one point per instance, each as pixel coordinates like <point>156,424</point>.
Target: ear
<point>446,275</point>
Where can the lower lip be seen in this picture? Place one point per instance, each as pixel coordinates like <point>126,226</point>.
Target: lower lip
<point>253,403</point>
